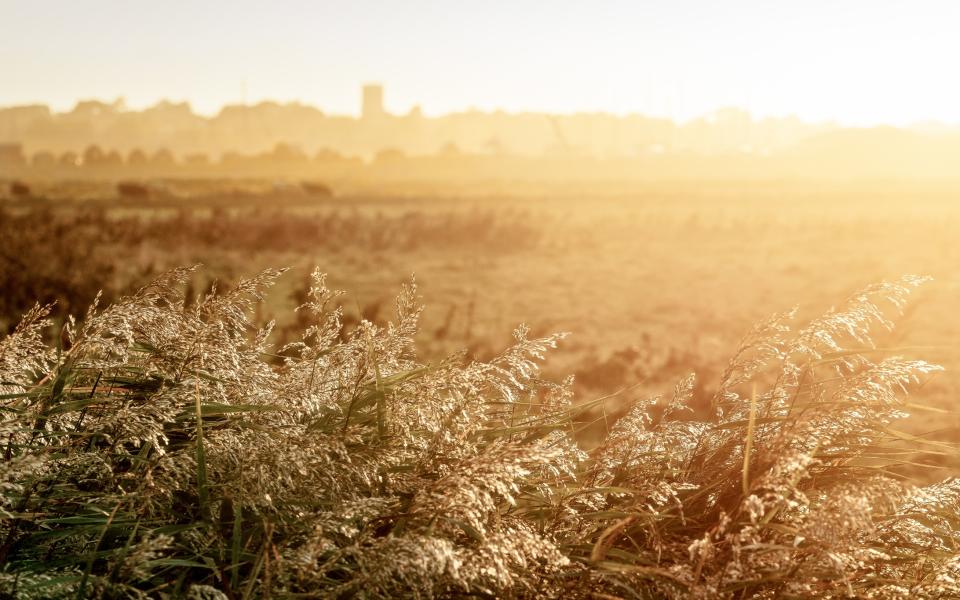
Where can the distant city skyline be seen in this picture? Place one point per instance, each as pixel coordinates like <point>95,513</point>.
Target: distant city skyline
<point>274,139</point>
<point>371,101</point>
<point>259,127</point>
<point>855,62</point>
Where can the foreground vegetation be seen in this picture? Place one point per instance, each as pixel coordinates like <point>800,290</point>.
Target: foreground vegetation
<point>163,448</point>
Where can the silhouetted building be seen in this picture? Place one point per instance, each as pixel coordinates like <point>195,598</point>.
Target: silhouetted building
<point>373,101</point>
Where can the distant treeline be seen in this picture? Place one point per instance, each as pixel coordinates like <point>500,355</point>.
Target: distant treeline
<point>847,154</point>
<point>95,157</point>
<point>257,128</point>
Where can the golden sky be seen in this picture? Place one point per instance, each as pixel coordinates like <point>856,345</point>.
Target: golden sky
<point>858,62</point>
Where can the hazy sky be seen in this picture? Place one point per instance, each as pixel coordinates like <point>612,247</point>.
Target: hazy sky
<point>860,62</point>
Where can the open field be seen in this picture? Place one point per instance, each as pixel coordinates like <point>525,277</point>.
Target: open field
<point>652,283</point>
<point>161,447</point>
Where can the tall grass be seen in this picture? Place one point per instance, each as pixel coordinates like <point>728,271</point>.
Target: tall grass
<point>66,254</point>
<point>164,449</point>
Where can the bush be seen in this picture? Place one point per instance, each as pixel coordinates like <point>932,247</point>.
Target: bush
<point>19,189</point>
<point>317,189</point>
<point>169,451</point>
<point>133,190</point>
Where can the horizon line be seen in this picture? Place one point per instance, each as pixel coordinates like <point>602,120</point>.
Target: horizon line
<point>120,101</point>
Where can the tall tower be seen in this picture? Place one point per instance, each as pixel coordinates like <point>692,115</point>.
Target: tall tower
<point>373,101</point>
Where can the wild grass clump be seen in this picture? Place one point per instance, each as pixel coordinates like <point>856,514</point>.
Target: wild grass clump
<point>165,449</point>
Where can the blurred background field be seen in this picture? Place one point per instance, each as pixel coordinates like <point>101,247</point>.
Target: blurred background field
<point>654,281</point>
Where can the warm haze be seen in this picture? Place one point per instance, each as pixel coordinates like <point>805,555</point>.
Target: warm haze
<point>643,300</point>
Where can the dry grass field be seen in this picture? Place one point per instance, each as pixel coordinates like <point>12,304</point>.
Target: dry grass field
<point>652,282</point>
<point>161,447</point>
